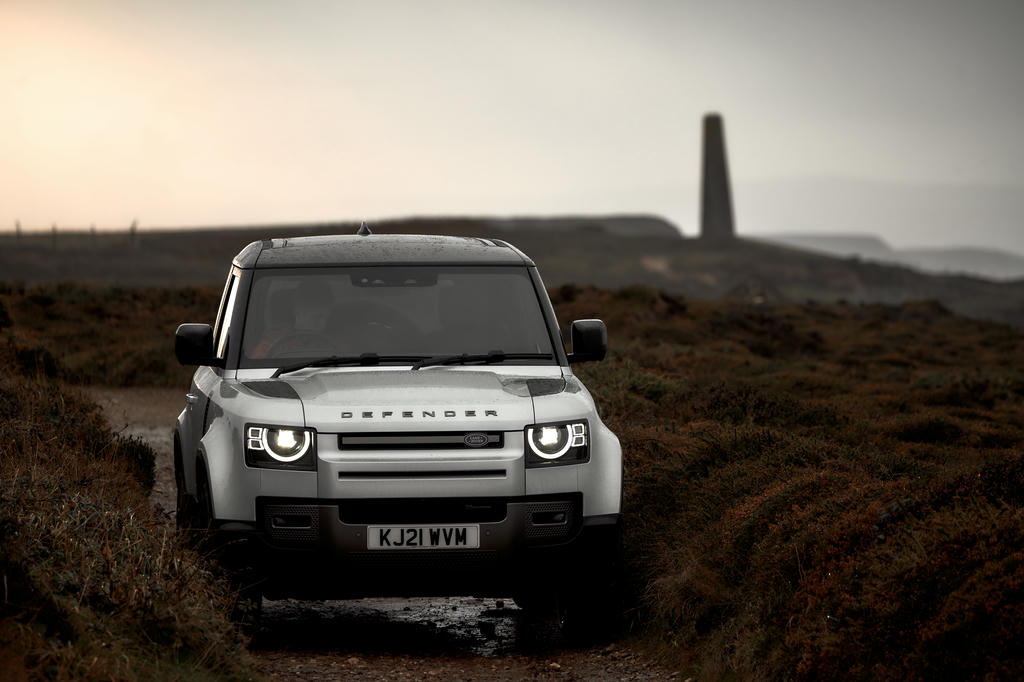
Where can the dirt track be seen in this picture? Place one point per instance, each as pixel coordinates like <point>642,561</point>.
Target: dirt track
<point>381,639</point>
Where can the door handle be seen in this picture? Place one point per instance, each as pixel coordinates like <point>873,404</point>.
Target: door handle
<point>191,398</point>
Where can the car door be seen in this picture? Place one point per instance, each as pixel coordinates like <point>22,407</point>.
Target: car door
<point>206,380</point>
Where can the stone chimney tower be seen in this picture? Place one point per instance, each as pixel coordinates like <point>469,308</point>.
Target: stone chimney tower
<point>716,224</point>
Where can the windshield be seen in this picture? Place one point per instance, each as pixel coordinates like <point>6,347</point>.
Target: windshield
<point>310,313</point>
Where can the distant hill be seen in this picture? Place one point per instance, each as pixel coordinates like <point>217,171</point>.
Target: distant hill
<point>946,215</point>
<point>985,262</point>
<point>609,252</point>
<point>989,263</point>
<point>202,255</point>
<point>620,226</point>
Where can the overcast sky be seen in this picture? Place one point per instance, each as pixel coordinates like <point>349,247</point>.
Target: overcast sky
<point>200,113</point>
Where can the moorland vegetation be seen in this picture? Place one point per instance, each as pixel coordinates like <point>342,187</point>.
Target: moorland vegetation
<point>95,585</point>
<point>812,491</point>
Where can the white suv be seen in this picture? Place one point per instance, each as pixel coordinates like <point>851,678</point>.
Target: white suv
<point>396,415</point>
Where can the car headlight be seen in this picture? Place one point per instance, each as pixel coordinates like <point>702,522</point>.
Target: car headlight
<point>280,447</point>
<point>555,444</point>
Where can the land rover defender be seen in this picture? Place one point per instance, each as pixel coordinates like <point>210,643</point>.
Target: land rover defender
<point>396,415</point>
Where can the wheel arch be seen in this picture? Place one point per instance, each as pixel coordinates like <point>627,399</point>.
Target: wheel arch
<point>202,477</point>
<point>179,472</point>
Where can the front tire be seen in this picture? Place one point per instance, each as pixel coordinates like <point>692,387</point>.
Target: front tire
<point>188,517</point>
<point>195,521</point>
<point>591,610</point>
<point>247,612</point>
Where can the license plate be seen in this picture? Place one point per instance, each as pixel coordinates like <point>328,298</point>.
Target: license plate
<point>423,537</point>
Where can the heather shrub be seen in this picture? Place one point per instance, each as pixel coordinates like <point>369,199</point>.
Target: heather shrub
<point>929,429</point>
<point>811,491</point>
<point>104,334</point>
<point>95,585</point>
<point>818,492</point>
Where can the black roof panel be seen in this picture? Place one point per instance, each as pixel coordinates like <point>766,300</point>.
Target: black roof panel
<point>379,249</point>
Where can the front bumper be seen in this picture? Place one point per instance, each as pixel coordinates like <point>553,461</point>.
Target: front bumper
<point>318,548</point>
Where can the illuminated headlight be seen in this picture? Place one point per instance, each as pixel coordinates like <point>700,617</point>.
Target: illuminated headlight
<point>554,444</point>
<point>280,447</point>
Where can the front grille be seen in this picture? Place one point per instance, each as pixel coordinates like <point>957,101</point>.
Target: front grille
<point>428,440</point>
<point>292,523</point>
<point>417,475</point>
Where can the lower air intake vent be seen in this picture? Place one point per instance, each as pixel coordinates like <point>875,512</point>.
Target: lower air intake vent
<point>550,519</point>
<point>292,523</point>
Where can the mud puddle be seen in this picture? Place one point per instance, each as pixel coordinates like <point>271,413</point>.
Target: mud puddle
<point>465,625</point>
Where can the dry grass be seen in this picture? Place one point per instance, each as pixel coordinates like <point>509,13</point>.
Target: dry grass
<point>812,491</point>
<point>108,335</point>
<point>818,491</point>
<point>94,585</point>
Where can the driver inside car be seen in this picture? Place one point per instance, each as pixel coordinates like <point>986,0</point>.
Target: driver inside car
<point>297,313</point>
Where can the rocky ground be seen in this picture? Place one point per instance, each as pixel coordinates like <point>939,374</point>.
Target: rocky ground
<point>455,638</point>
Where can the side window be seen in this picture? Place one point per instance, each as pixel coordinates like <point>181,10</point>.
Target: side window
<point>224,315</point>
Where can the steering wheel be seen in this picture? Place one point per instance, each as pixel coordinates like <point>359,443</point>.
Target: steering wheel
<point>379,317</point>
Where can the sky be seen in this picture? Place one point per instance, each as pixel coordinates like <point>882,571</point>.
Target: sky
<point>222,113</point>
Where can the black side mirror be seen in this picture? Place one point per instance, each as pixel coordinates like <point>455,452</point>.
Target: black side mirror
<point>589,341</point>
<point>193,344</point>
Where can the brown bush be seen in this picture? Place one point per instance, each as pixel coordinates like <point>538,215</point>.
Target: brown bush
<point>803,498</point>
<point>811,491</point>
<point>104,334</point>
<point>95,586</point>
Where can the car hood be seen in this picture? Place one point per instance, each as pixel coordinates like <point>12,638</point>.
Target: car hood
<point>426,400</point>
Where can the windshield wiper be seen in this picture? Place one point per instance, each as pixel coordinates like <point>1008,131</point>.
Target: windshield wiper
<point>487,358</point>
<point>366,359</point>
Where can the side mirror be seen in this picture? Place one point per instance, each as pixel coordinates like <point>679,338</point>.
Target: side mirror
<point>589,341</point>
<point>193,344</point>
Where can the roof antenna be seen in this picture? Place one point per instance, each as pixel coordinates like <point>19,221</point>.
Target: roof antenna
<point>364,231</point>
